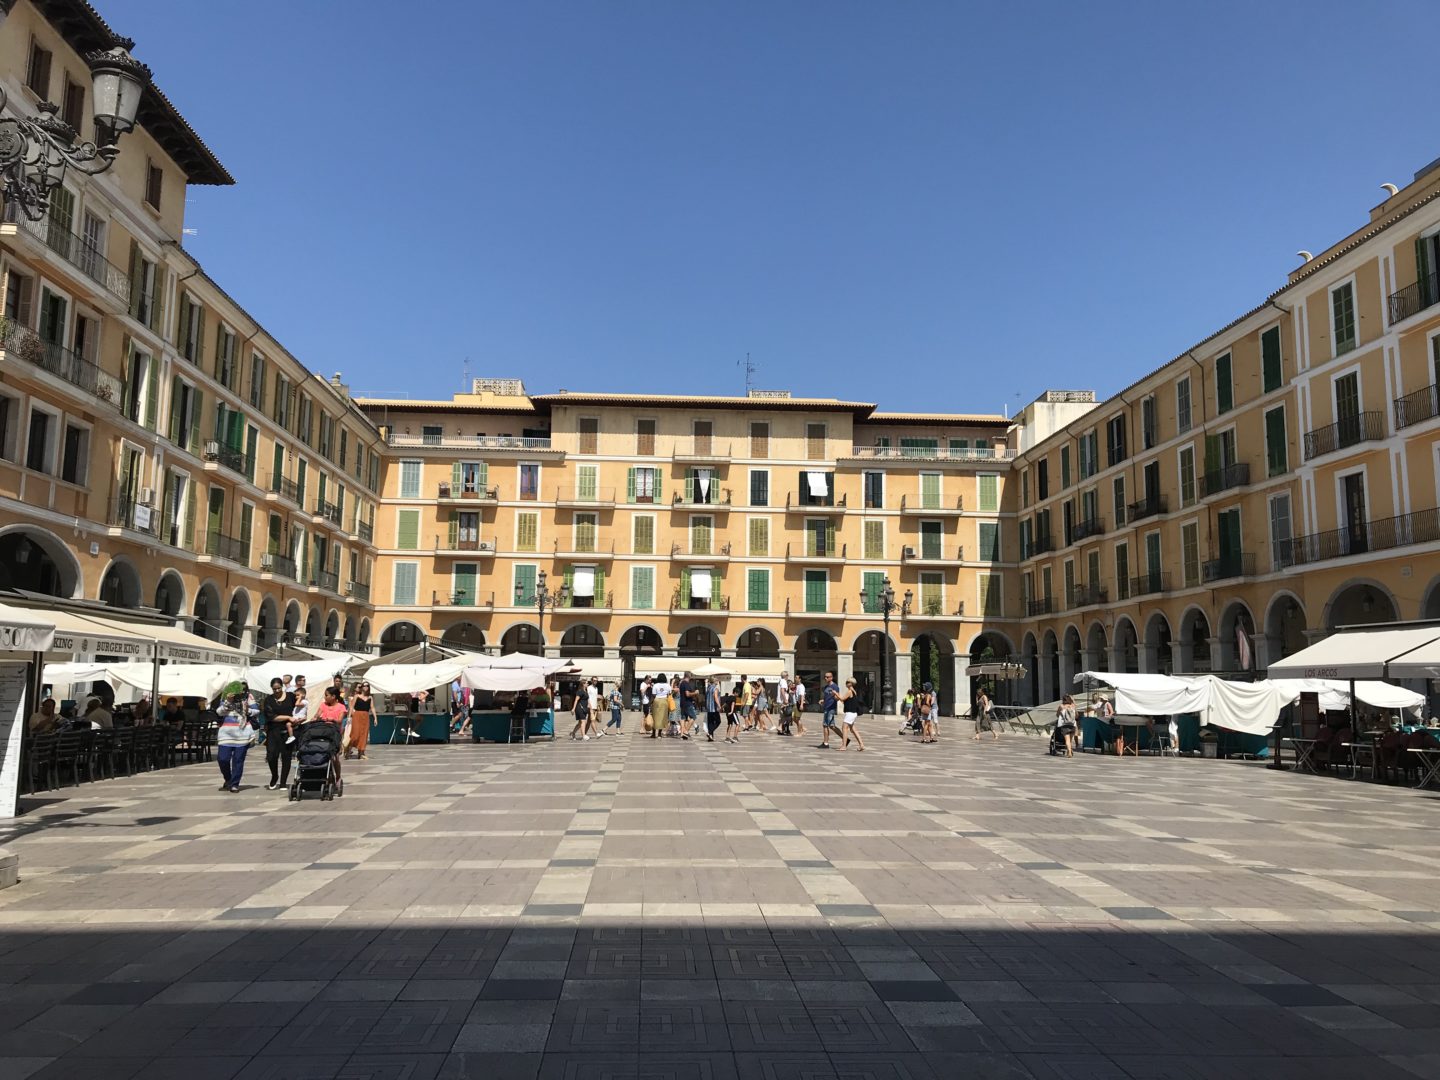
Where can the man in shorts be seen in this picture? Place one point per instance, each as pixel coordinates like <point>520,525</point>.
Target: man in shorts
<point>797,699</point>
<point>829,700</point>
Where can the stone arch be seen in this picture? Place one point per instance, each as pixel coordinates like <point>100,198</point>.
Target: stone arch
<point>267,623</point>
<point>350,624</point>
<point>698,641</point>
<point>208,613</point>
<point>463,635</point>
<point>1158,644</point>
<point>1050,656</point>
<point>1072,660</point>
<point>756,642</point>
<point>237,619</point>
<point>312,625</point>
<point>401,634</point>
<point>991,647</point>
<point>641,639</point>
<point>873,662</point>
<point>523,637</point>
<point>170,594</point>
<point>1194,641</point>
<point>1126,645</point>
<point>932,660</point>
<point>1097,647</point>
<point>1236,614</point>
<point>120,584</point>
<point>1029,686</point>
<point>332,627</point>
<point>37,560</point>
<point>582,639</point>
<point>1430,606</point>
<point>364,639</point>
<point>1358,602</point>
<point>1284,626</point>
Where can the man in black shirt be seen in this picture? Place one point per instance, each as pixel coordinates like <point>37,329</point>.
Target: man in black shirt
<point>276,708</point>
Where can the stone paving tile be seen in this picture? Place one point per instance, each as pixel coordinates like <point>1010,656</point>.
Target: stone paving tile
<point>665,909</point>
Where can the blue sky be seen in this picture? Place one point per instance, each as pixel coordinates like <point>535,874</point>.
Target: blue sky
<point>929,205</point>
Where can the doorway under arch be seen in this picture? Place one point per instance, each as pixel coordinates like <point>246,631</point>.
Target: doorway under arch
<point>874,655</point>
<point>120,587</point>
<point>582,640</point>
<point>932,660</point>
<point>523,638</point>
<point>37,561</point>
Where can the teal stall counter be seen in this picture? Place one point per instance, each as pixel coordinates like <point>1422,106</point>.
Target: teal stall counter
<point>431,727</point>
<point>495,726</point>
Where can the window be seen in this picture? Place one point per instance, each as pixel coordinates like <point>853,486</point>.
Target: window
<point>874,539</point>
<point>1064,467</point>
<point>1147,422</point>
<point>1224,385</point>
<point>1342,315</point>
<point>1190,553</point>
<point>227,369</point>
<point>960,448</point>
<point>1182,406</point>
<point>759,439</point>
<point>642,485</point>
<point>820,538</point>
<point>301,468</point>
<point>645,441</point>
<point>815,442</point>
<point>817,587</point>
<point>1027,538</point>
<point>9,411</point>
<point>1277,458</point>
<point>529,481</point>
<point>701,487</point>
<point>305,421</point>
<point>75,454</point>
<point>702,534</point>
<point>1114,440</point>
<point>930,490</point>
<point>1347,408</point>
<point>407,529</point>
<point>527,531</point>
<point>758,539</point>
<point>409,479</point>
<point>932,592</point>
<point>872,584</point>
<point>817,488</point>
<point>874,490</point>
<point>178,513</point>
<point>464,531</point>
<point>759,487</point>
<point>524,591</point>
<point>1281,554</point>
<point>1042,479</point>
<point>327,436</point>
<point>642,534</point>
<point>257,387</point>
<point>87,337</point>
<point>642,587</point>
<point>587,480</point>
<point>283,397</point>
<point>589,435</point>
<point>1118,499</point>
<point>92,245</point>
<point>1153,564</point>
<point>144,291</point>
<point>1089,446</point>
<point>1187,475</point>
<point>1090,505</point>
<point>154,183</point>
<point>1025,488</point>
<point>37,75</point>
<point>989,485</point>
<point>586,586</point>
<point>1270,365</point>
<point>586,526</point>
<point>1047,583</point>
<point>757,590</point>
<point>989,541</point>
<point>185,411</point>
<point>1068,513</point>
<point>932,540</point>
<point>72,107</point>
<point>430,434</point>
<point>407,578</point>
<point>989,592</point>
<point>699,586</point>
<point>1092,573</point>
<point>1231,559</point>
<point>1122,571</point>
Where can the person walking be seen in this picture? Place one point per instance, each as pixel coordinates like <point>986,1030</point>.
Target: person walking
<point>851,705</point>
<point>233,739</point>
<point>783,705</point>
<point>829,699</point>
<point>983,720</point>
<point>647,686</point>
<point>659,706</point>
<point>688,709</point>
<point>276,709</point>
<point>712,707</point>
<point>732,718</point>
<point>926,704</point>
<point>362,716</point>
<point>1065,723</point>
<point>592,700</point>
<point>763,720</point>
<point>617,703</point>
<point>797,697</point>
<point>580,707</point>
<point>747,704</point>
<point>334,711</point>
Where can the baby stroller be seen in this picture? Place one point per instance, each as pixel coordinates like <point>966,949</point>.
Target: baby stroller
<point>317,750</point>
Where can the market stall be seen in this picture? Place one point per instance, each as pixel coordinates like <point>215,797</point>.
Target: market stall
<point>25,637</point>
<point>515,673</point>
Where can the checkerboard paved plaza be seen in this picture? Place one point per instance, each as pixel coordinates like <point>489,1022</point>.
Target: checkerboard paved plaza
<point>628,907</point>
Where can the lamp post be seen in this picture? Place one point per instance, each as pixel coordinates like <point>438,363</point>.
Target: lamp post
<point>544,598</point>
<point>885,599</point>
<point>36,151</point>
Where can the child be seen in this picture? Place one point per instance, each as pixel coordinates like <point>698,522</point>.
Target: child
<point>298,715</point>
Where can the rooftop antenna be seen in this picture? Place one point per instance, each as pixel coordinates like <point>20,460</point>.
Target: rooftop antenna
<point>749,374</point>
<point>467,384</point>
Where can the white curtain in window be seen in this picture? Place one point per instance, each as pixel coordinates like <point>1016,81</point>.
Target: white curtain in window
<point>702,484</point>
<point>583,584</point>
<point>700,584</point>
<point>816,482</point>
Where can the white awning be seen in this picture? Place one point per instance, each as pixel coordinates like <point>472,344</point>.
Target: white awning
<point>605,668</point>
<point>1421,663</point>
<point>1356,654</point>
<point>817,484</point>
<point>661,665</point>
<point>24,631</point>
<point>700,584</point>
<point>752,668</point>
<point>411,678</point>
<point>176,680</point>
<point>93,635</point>
<point>583,581</point>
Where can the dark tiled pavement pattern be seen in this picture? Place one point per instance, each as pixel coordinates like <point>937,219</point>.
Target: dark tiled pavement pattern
<point>629,908</point>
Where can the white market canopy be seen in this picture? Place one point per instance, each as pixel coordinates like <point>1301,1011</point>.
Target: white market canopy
<point>1421,663</point>
<point>176,680</point>
<point>1335,695</point>
<point>395,679</point>
<point>94,635</point>
<point>1252,708</point>
<point>23,631</point>
<point>1358,654</point>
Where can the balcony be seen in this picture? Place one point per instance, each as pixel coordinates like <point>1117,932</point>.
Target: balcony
<point>1416,408</point>
<point>812,552</point>
<point>445,491</point>
<point>924,507</point>
<point>489,443</point>
<point>818,613</point>
<point>1039,545</point>
<point>1083,530</point>
<point>1415,298</point>
<point>718,501</point>
<point>699,604</point>
<point>329,511</point>
<point>281,565</point>
<point>325,581</point>
<point>799,503</point>
<point>701,448</point>
<point>601,499</point>
<point>1150,584</point>
<point>1231,476</point>
<point>1149,506</point>
<point>127,513</point>
<point>235,460</point>
<point>931,555</point>
<point>593,548</point>
<point>74,250</point>
<point>462,598</point>
<point>932,608</point>
<point>23,343</point>
<point>359,591</point>
<point>365,530</point>
<point>1420,527</point>
<point>940,453</point>
<point>1241,564</point>
<point>287,489</point>
<point>1351,431</point>
<point>461,545</point>
<point>1043,606</point>
<point>572,603</point>
<point>1087,595</point>
<point>232,548</point>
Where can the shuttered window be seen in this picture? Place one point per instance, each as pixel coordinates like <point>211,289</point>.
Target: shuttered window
<point>1190,553</point>
<point>586,478</point>
<point>871,585</point>
<point>1224,388</point>
<point>407,529</point>
<point>1342,307</point>
<point>932,592</point>
<point>1270,359</point>
<point>991,602</point>
<point>643,531</point>
<point>930,491</point>
<point>1187,475</point>
<point>989,485</point>
<point>642,587</point>
<point>874,539</point>
<point>759,543</point>
<point>524,591</point>
<point>1276,442</point>
<point>816,585</point>
<point>527,531</point>
<point>757,590</point>
<point>409,479</point>
<point>407,576</point>
<point>989,541</point>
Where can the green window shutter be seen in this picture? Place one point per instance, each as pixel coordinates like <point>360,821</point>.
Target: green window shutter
<point>569,579</point>
<point>196,411</point>
<point>642,587</point>
<point>483,476</point>
<point>188,540</point>
<point>457,478</point>
<point>524,591</point>
<point>134,280</point>
<point>989,493</point>
<point>815,582</point>
<point>930,490</point>
<point>1343,302</point>
<point>252,445</point>
<point>174,426</point>
<point>989,541</point>
<point>872,583</point>
<point>527,532</point>
<point>830,548</point>
<point>407,529</point>
<point>157,305</point>
<point>454,530</point>
<point>587,482</point>
<point>759,536</point>
<point>874,539</point>
<point>183,321</point>
<point>152,404</point>
<point>1212,454</point>
<point>685,587</point>
<point>1276,448</point>
<point>1423,269</point>
<point>600,600</point>
<point>630,484</point>
<point>757,590</point>
<point>1270,358</point>
<point>689,485</point>
<point>406,583</point>
<point>1224,390</point>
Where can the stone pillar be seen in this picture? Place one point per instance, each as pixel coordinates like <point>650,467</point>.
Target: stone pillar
<point>1117,657</point>
<point>844,667</point>
<point>1149,658</point>
<point>1180,656</point>
<point>1217,654</point>
<point>964,685</point>
<point>1267,651</point>
<point>902,677</point>
<point>1089,659</point>
<point>1067,677</point>
<point>787,657</point>
<point>1045,691</point>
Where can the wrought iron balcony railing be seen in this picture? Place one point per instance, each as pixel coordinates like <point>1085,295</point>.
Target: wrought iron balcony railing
<point>80,254</point>
<point>272,562</point>
<point>128,513</point>
<point>1150,584</point>
<point>233,459</point>
<point>1043,606</point>
<point>234,548</point>
<point>1231,476</point>
<point>1415,297</point>
<point>358,591</point>
<point>1417,407</point>
<point>1149,506</point>
<point>20,341</point>
<point>1083,530</point>
<point>1418,527</point>
<point>1241,564</point>
<point>1085,595</point>
<point>324,579</point>
<point>1346,432</point>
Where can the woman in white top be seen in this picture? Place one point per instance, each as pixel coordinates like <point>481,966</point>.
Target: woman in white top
<point>850,704</point>
<point>1065,723</point>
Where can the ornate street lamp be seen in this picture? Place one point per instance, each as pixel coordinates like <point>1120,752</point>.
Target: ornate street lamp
<point>544,598</point>
<point>35,152</point>
<point>885,599</point>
